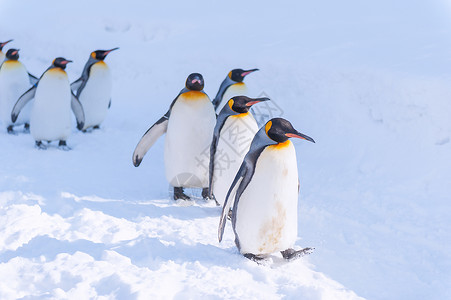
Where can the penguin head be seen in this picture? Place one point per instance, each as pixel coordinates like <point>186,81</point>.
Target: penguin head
<point>242,104</point>
<point>60,62</point>
<point>12,54</point>
<point>195,82</point>
<point>239,74</point>
<point>280,130</point>
<point>3,44</point>
<point>101,54</point>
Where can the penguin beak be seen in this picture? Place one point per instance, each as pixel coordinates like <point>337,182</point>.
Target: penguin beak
<point>299,136</point>
<point>248,72</point>
<point>3,44</point>
<point>65,62</point>
<point>256,100</point>
<point>108,51</point>
<point>15,52</point>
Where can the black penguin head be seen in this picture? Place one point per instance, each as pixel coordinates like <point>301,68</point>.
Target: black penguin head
<point>60,62</point>
<point>280,130</point>
<point>242,104</point>
<point>12,54</point>
<point>239,74</point>
<point>195,82</point>
<point>101,54</point>
<point>3,44</point>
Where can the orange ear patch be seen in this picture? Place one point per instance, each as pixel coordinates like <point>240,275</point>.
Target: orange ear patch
<point>268,127</point>
<point>93,54</point>
<point>231,103</point>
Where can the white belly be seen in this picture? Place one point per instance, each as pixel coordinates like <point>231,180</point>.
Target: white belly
<point>188,140</point>
<point>14,82</point>
<point>234,142</point>
<point>266,219</point>
<point>96,95</point>
<point>51,112</point>
<point>237,89</point>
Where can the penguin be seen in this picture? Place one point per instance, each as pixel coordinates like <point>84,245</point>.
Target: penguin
<point>235,128</point>
<point>2,54</point>
<point>265,195</point>
<point>93,89</point>
<point>53,99</point>
<point>189,125</point>
<point>14,80</point>
<point>232,85</point>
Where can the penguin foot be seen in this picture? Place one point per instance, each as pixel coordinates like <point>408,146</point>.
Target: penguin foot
<point>206,195</point>
<point>40,145</point>
<point>26,128</point>
<point>96,127</point>
<point>259,259</point>
<point>291,254</point>
<point>63,146</point>
<point>10,130</point>
<point>179,194</point>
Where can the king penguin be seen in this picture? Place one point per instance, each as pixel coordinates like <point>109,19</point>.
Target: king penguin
<point>53,99</point>
<point>232,85</point>
<point>235,128</point>
<point>93,89</point>
<point>189,125</point>
<point>2,54</point>
<point>14,81</point>
<point>265,195</point>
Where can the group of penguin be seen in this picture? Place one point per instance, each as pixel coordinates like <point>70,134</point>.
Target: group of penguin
<point>48,118</point>
<point>259,189</point>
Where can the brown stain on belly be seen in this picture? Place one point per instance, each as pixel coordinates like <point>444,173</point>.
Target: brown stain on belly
<point>271,231</point>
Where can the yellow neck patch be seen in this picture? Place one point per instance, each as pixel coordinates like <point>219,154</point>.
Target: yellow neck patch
<point>240,84</point>
<point>57,71</point>
<point>280,146</point>
<point>11,62</point>
<point>193,95</point>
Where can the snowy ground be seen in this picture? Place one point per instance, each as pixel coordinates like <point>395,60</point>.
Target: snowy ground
<point>368,81</point>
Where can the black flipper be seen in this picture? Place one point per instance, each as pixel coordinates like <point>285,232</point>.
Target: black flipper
<point>79,113</point>
<point>152,134</point>
<point>23,100</point>
<point>226,83</point>
<point>33,79</point>
<point>149,138</point>
<point>222,117</point>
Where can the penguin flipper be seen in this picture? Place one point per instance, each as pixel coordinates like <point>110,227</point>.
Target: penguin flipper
<point>214,144</point>
<point>79,113</point>
<point>76,84</point>
<point>109,104</point>
<point>228,202</point>
<point>149,138</point>
<point>22,101</point>
<point>33,79</point>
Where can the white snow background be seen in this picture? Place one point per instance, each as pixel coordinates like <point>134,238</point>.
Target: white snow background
<point>370,81</point>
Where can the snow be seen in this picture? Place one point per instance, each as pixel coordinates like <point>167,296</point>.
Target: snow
<point>369,81</point>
